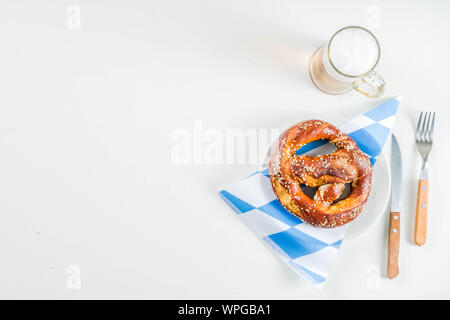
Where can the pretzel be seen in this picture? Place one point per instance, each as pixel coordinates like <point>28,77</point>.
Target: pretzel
<point>329,173</point>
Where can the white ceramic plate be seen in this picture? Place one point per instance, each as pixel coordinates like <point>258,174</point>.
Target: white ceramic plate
<point>378,197</point>
<point>377,202</point>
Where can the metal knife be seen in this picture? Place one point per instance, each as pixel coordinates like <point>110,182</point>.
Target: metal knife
<point>396,207</point>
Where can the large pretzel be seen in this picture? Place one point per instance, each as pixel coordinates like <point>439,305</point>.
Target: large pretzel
<point>329,173</point>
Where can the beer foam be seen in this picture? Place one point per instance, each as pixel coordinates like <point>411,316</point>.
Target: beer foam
<point>354,51</point>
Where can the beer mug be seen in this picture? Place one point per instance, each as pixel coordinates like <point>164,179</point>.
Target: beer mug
<point>347,61</point>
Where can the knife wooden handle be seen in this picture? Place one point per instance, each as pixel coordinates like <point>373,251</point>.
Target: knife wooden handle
<point>420,232</point>
<point>394,245</point>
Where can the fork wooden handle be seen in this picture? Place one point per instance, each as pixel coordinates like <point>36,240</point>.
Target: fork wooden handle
<point>394,245</point>
<point>420,232</point>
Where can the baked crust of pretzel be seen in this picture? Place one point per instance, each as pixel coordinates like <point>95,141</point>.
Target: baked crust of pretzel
<point>329,173</point>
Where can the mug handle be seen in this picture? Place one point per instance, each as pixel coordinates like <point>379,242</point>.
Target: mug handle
<point>371,85</point>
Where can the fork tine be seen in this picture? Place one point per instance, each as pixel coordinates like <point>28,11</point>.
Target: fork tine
<point>423,129</point>
<point>432,128</point>
<point>427,131</point>
<point>418,126</point>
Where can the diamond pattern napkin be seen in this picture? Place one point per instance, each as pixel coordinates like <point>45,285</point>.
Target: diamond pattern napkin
<point>309,251</point>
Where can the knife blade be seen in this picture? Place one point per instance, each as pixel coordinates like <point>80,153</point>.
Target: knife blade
<point>396,206</point>
<point>396,179</point>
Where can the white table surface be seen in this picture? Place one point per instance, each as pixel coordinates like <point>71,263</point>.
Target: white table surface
<point>88,186</point>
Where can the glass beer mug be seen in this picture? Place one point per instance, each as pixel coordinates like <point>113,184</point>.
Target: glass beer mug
<point>347,61</point>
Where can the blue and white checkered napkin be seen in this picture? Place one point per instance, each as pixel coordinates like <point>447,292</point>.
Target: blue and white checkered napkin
<point>309,251</point>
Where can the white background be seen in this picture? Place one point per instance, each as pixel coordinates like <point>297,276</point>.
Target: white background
<point>86,119</point>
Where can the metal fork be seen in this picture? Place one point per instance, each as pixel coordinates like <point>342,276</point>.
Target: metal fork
<point>424,141</point>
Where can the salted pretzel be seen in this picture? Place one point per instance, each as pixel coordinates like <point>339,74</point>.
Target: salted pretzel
<point>329,173</point>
